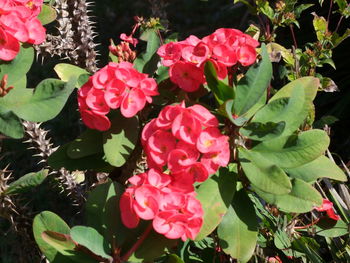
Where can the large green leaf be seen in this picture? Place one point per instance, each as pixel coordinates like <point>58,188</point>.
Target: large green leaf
<point>222,91</point>
<point>264,174</point>
<point>60,159</point>
<point>69,250</point>
<point>45,103</point>
<point>293,151</point>
<point>119,141</point>
<point>17,68</point>
<point>303,198</point>
<point>238,230</point>
<point>327,227</point>
<point>26,182</point>
<point>10,124</point>
<point>91,239</point>
<point>88,143</point>
<point>215,195</point>
<point>252,87</point>
<point>48,221</point>
<point>290,105</point>
<point>319,168</point>
<point>147,62</point>
<point>67,71</point>
<point>154,246</point>
<point>47,14</point>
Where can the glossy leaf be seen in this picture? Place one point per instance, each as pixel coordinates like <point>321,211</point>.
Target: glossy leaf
<point>147,62</point>
<point>327,227</point>
<point>303,198</point>
<point>293,151</point>
<point>264,174</point>
<point>319,168</point>
<point>154,246</point>
<point>222,91</point>
<point>215,195</point>
<point>119,141</point>
<point>67,71</point>
<point>252,87</point>
<point>91,239</point>
<point>48,221</point>
<point>60,159</point>
<point>290,105</point>
<point>47,14</point>
<point>18,67</point>
<point>26,182</point>
<point>238,230</point>
<point>43,104</point>
<point>10,124</point>
<point>88,143</point>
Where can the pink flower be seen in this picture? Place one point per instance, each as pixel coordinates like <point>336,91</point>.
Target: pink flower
<point>167,116</point>
<point>129,39</point>
<point>170,52</point>
<point>196,54</point>
<point>129,218</point>
<point>327,206</point>
<point>96,102</point>
<point>95,121</point>
<point>9,46</point>
<point>114,93</point>
<point>147,200</point>
<point>246,55</point>
<point>171,224</point>
<point>37,33</point>
<point>186,127</point>
<point>204,116</point>
<point>159,146</point>
<point>14,25</point>
<point>186,75</point>
<point>133,102</point>
<point>208,140</point>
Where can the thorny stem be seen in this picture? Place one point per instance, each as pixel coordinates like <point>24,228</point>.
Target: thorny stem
<point>137,243</point>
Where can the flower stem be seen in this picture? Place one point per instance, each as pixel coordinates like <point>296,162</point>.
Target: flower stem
<point>137,243</point>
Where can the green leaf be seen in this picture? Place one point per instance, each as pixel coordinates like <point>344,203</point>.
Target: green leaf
<point>17,68</point>
<point>44,104</point>
<point>303,198</point>
<point>154,246</point>
<point>88,143</point>
<point>320,26</point>
<point>173,258</point>
<point>337,40</point>
<point>64,244</point>
<point>26,182</point>
<point>91,239</point>
<point>293,151</point>
<point>67,71</point>
<point>47,14</point>
<point>10,124</point>
<point>290,105</point>
<point>221,188</point>
<point>264,174</point>
<point>147,62</point>
<point>222,91</point>
<point>263,131</point>
<point>252,87</point>
<point>327,227</point>
<point>281,240</point>
<point>238,230</point>
<point>120,139</point>
<point>48,221</point>
<point>60,159</point>
<point>319,168</point>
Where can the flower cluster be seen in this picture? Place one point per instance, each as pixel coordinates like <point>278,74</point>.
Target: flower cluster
<point>175,214</point>
<point>114,86</point>
<point>19,23</point>
<point>183,146</point>
<point>224,48</point>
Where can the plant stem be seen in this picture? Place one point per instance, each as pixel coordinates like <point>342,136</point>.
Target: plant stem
<point>329,13</point>
<point>339,22</point>
<point>293,35</point>
<point>137,243</point>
